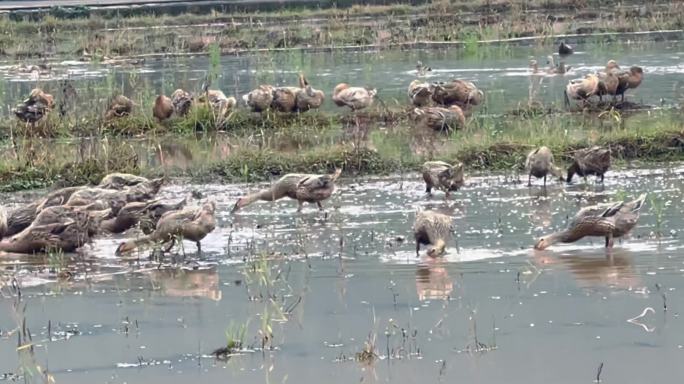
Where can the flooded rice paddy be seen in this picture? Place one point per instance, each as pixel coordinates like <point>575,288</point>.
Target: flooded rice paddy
<point>316,290</point>
<point>502,71</point>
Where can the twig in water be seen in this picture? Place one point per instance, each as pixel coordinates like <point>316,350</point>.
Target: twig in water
<point>598,374</point>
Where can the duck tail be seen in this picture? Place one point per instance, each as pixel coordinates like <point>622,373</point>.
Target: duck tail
<point>245,98</point>
<point>637,204</point>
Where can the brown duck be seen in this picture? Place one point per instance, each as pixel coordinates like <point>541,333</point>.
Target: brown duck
<point>146,213</point>
<point>590,161</point>
<point>355,98</point>
<point>539,164</point>
<point>56,228</point>
<point>301,187</point>
<point>285,99</point>
<point>629,80</point>
<point>35,107</point>
<point>219,102</point>
<point>192,224</point>
<point>120,181</point>
<point>443,176</point>
<point>260,99</point>
<point>182,102</point>
<point>433,229</point>
<point>612,220</point>
<point>441,119</point>
<point>119,107</point>
<point>20,218</point>
<point>308,98</point>
<point>581,89</point>
<point>140,192</point>
<point>420,93</point>
<point>459,92</point>
<point>162,108</point>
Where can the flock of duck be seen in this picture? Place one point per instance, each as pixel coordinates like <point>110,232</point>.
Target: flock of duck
<point>68,218</point>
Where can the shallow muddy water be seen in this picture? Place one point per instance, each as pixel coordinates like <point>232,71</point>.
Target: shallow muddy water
<point>333,281</point>
<point>502,71</point>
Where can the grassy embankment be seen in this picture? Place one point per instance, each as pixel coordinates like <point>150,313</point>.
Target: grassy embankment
<point>257,148</point>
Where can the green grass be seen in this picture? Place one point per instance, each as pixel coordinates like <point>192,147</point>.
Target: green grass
<point>319,143</point>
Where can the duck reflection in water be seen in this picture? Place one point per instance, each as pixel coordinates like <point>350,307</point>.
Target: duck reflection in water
<point>183,282</point>
<point>433,281</point>
<point>590,271</point>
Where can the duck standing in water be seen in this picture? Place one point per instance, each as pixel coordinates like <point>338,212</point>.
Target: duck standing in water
<point>581,89</point>
<point>147,213</point>
<point>119,107</point>
<point>433,229</point>
<point>441,119</point>
<point>301,187</point>
<point>420,93</point>
<point>590,161</point>
<point>539,164</point>
<point>120,181</point>
<point>56,228</point>
<point>564,49</point>
<point>190,224</point>
<point>443,176</point>
<point>612,220</point>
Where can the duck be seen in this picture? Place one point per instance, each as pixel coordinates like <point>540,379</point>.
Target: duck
<point>422,69</point>
<point>162,108</point>
<point>581,89</point>
<point>611,65</point>
<point>119,107</point>
<point>192,224</point>
<point>57,228</point>
<point>260,99</point>
<point>119,181</point>
<point>182,102</point>
<point>443,176</point>
<point>18,219</point>
<point>301,187</point>
<point>219,102</point>
<point>433,229</point>
<point>539,163</point>
<point>608,84</point>
<point>564,49</point>
<point>309,98</point>
<point>590,161</point>
<point>35,107</point>
<point>140,192</point>
<point>441,119</point>
<point>554,69</point>
<point>612,220</point>
<point>534,66</point>
<point>630,79</point>
<point>136,212</point>
<point>285,99</point>
<point>356,98</point>
<point>420,93</point>
<point>460,92</point>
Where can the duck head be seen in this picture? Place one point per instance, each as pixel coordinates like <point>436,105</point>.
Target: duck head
<point>438,249</point>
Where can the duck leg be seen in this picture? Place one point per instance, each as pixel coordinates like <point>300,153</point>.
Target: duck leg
<point>300,206</point>
<point>417,249</point>
<point>544,181</point>
<point>529,180</point>
<point>609,241</point>
<point>199,248</point>
<point>320,206</point>
<point>172,242</point>
<point>428,189</point>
